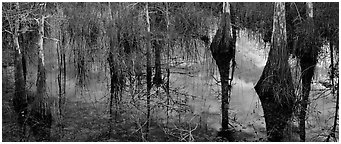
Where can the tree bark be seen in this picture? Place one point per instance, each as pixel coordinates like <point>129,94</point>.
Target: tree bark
<point>41,113</point>
<point>223,51</point>
<point>20,97</point>
<point>332,74</point>
<point>168,62</point>
<point>149,68</point>
<point>61,47</point>
<point>275,86</point>
<point>112,36</point>
<point>308,60</point>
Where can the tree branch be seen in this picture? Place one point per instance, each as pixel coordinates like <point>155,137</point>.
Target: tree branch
<point>8,31</point>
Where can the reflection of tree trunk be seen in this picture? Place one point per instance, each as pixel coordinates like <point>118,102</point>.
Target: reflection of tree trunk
<point>149,70</point>
<point>223,50</point>
<point>275,86</point>
<point>20,98</point>
<point>308,60</point>
<point>41,113</point>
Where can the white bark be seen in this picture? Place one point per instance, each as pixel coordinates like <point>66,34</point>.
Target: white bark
<point>41,40</point>
<point>279,32</point>
<point>310,9</point>
<point>226,7</point>
<point>16,34</point>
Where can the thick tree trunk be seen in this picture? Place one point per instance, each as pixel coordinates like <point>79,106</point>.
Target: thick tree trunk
<point>308,60</point>
<point>275,87</point>
<point>307,68</point>
<point>149,69</point>
<point>20,98</point>
<point>223,51</point>
<point>41,113</point>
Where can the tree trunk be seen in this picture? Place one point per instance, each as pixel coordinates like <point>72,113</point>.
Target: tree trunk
<point>158,74</point>
<point>308,60</point>
<point>81,70</point>
<point>24,66</point>
<point>275,86</point>
<point>41,113</point>
<point>20,98</point>
<point>110,59</point>
<point>149,69</point>
<point>223,51</point>
<point>61,76</point>
<point>114,82</point>
<point>332,74</point>
<point>168,63</point>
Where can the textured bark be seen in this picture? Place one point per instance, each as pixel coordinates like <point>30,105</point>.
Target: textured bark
<point>275,86</point>
<point>223,51</point>
<point>61,78</point>
<point>168,61</point>
<point>41,113</point>
<point>20,98</point>
<point>61,73</point>
<point>308,60</point>
<point>149,69</point>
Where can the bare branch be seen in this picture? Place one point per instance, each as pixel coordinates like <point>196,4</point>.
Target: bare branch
<point>132,5</point>
<point>8,31</point>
